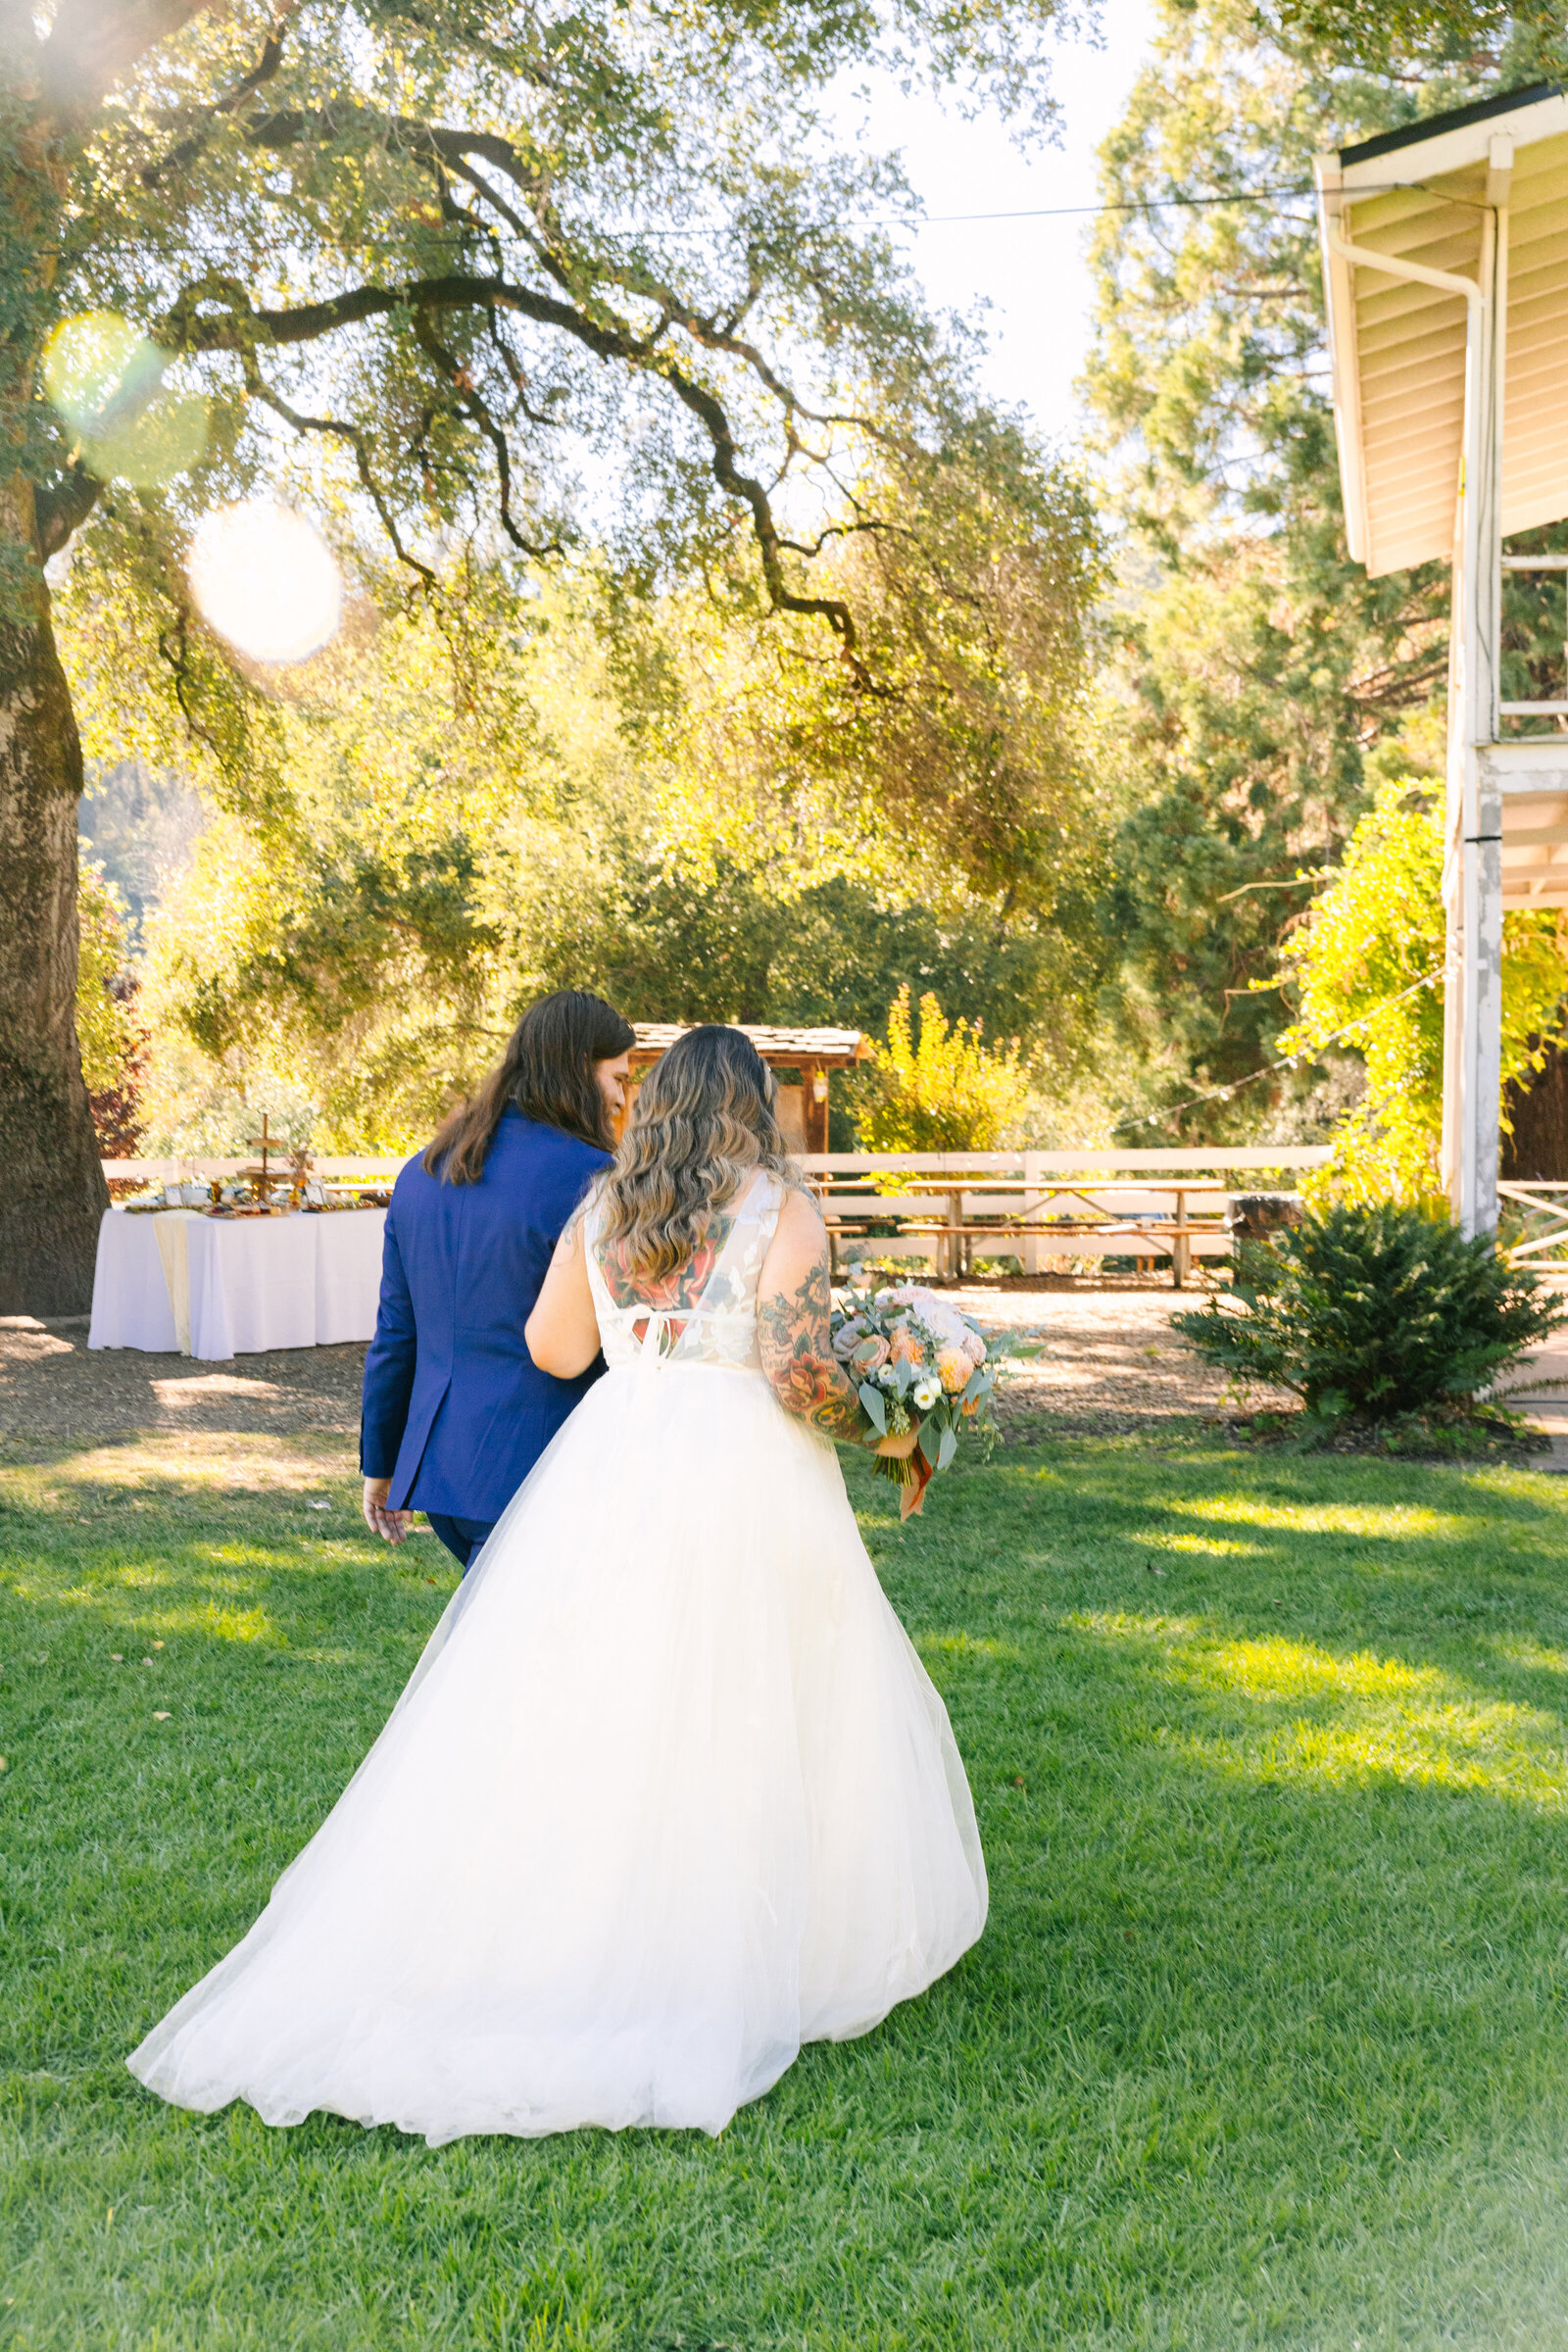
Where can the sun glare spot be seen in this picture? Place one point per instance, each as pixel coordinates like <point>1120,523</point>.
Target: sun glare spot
<point>1212,1548</point>
<point>966,1645</point>
<point>265,579</point>
<point>1394,1519</point>
<point>106,381</point>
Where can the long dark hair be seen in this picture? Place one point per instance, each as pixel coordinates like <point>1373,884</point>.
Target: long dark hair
<point>705,1120</point>
<point>547,1072</point>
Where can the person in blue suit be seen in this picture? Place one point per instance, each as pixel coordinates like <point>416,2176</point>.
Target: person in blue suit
<point>455,1412</point>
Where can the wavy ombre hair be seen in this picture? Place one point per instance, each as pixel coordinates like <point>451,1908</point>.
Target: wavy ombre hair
<point>705,1120</point>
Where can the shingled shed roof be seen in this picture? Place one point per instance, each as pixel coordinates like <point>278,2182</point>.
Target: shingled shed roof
<point>1398,348</point>
<point>788,1046</point>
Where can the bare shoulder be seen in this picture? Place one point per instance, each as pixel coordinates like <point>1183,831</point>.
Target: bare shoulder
<point>799,1242</point>
<point>800,1216</point>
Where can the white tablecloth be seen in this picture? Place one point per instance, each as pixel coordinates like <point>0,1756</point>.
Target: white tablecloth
<point>218,1287</point>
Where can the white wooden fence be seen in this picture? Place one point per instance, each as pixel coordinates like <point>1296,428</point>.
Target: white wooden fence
<point>954,1206</point>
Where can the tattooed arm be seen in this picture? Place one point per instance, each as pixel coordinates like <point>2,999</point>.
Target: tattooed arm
<point>562,1333</point>
<point>793,1297</point>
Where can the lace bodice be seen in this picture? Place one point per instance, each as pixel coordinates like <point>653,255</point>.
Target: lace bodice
<point>706,1311</point>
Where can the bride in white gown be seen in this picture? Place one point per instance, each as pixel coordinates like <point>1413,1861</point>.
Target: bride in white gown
<point>668,1793</point>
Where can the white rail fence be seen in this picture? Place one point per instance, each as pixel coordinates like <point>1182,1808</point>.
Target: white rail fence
<point>952,1207</point>
<point>1038,1207</point>
<point>1543,1243</point>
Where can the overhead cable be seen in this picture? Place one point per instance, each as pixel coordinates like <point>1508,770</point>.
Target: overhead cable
<point>1287,1061</point>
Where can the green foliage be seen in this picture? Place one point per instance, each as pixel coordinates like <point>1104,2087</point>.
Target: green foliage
<point>671,840</point>
<point>1374,1312</point>
<point>1522,39</point>
<point>142,826</point>
<point>943,1089</point>
<point>974,610</point>
<point>417,271</point>
<point>1372,934</point>
<point>1255,660</point>
<point>1255,669</point>
<point>590,304</point>
<point>106,1029</point>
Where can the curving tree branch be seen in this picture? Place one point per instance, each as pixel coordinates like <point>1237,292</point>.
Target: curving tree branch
<point>186,150</point>
<point>242,329</point>
<point>338,429</point>
<point>474,406</point>
<point>61,508</point>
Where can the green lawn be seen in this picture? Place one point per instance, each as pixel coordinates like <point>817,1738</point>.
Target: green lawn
<point>1266,2041</point>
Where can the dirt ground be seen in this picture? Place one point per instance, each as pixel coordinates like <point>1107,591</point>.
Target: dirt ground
<point>1110,1361</point>
<point>53,1392</point>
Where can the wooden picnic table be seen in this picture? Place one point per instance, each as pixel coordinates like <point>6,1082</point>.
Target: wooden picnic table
<point>1101,1216</point>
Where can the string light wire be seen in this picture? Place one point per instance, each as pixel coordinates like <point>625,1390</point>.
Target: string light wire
<point>1287,1061</point>
<point>1048,212</point>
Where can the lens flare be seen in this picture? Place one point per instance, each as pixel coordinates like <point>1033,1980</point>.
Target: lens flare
<point>265,579</point>
<point>85,361</point>
<point>107,383</point>
<point>163,441</point>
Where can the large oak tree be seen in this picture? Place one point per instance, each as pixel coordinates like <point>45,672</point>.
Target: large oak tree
<point>464,255</point>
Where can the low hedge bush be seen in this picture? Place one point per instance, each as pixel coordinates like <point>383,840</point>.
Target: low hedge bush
<point>1373,1314</point>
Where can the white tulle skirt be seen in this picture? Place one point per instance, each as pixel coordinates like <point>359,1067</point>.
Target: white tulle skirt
<point>667,1795</point>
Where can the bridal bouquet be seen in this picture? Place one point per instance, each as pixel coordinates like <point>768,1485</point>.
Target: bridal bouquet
<point>918,1364</point>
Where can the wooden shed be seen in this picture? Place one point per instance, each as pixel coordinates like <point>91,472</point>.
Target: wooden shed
<point>812,1053</point>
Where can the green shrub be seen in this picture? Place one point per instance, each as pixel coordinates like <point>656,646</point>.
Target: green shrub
<point>1374,1312</point>
<point>948,1092</point>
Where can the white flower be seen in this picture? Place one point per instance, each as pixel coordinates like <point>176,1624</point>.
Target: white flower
<point>887,1378</point>
<point>925,1392</point>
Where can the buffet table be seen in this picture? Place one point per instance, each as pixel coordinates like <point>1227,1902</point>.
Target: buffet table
<point>217,1286</point>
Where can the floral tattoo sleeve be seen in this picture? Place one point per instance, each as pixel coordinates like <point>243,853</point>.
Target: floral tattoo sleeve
<point>798,1357</point>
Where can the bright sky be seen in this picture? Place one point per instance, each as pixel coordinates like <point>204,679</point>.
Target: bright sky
<point>1031,273</point>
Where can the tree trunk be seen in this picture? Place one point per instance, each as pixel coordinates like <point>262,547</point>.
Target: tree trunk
<point>1537,1151</point>
<point>52,1190</point>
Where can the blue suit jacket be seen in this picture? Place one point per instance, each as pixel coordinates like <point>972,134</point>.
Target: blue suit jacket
<point>456,1412</point>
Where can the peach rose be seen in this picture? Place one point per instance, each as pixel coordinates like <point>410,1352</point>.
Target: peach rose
<point>904,1347</point>
<point>872,1354</point>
